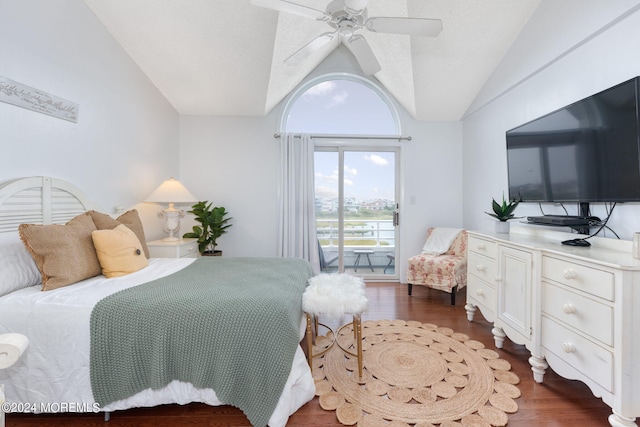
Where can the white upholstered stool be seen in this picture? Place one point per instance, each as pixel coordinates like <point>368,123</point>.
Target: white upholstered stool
<point>335,295</point>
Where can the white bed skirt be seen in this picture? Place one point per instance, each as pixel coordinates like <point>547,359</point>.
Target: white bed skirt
<point>299,389</point>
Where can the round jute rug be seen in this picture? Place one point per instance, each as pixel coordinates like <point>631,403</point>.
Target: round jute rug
<point>415,375</point>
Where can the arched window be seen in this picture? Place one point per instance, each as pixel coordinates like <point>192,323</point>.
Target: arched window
<point>356,183</point>
<point>340,104</point>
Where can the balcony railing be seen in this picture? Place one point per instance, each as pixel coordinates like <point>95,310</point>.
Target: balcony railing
<point>359,232</point>
<point>376,235</point>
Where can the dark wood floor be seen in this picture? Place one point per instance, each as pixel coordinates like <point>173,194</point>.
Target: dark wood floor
<point>556,402</point>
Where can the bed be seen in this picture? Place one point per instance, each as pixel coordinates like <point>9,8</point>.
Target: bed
<point>104,343</point>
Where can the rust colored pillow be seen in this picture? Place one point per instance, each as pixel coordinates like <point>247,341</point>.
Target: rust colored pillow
<point>119,251</point>
<point>64,254</point>
<point>130,218</point>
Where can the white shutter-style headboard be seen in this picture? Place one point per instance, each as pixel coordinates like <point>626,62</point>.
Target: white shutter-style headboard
<point>40,200</point>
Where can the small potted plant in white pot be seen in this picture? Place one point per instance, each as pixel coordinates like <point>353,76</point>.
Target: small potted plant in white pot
<point>503,212</point>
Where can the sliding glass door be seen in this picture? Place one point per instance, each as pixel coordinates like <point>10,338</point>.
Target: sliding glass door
<point>357,210</point>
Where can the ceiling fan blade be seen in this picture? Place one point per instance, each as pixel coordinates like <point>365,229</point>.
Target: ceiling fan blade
<point>364,55</point>
<point>410,26</point>
<point>355,6</point>
<point>307,50</point>
<point>293,8</point>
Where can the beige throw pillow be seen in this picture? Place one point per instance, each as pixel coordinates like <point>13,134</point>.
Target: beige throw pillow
<point>119,251</point>
<point>130,218</point>
<point>64,254</point>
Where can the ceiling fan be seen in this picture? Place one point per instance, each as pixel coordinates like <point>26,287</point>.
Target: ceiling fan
<point>346,17</point>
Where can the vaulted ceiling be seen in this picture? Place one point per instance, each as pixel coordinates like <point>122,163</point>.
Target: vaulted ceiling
<point>225,57</point>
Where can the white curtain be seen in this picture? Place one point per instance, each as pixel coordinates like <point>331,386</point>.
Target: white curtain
<point>297,220</point>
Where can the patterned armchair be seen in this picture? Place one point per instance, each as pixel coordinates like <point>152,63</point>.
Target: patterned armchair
<point>446,272</point>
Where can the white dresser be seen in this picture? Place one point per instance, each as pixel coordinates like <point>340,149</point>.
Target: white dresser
<point>575,309</point>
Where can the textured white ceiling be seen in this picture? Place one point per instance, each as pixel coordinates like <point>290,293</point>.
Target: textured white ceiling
<point>225,57</point>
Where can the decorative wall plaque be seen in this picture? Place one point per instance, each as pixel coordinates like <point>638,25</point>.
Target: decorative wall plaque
<point>30,98</point>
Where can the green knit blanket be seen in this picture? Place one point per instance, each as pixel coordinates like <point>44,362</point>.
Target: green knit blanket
<point>230,324</point>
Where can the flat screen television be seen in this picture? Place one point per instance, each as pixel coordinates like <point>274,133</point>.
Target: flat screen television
<point>585,152</point>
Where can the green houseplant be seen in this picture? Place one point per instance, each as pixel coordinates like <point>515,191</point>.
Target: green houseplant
<point>503,212</point>
<point>213,224</point>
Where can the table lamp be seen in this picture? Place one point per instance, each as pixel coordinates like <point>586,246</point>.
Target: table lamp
<point>171,191</point>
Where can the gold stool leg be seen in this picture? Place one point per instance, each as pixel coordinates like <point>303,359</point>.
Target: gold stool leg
<point>313,324</point>
<point>357,334</point>
<point>310,342</point>
<point>357,327</point>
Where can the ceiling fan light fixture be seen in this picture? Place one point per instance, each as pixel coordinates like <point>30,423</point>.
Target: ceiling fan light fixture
<point>347,28</point>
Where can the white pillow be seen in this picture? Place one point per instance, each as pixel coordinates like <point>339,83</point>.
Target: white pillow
<point>440,240</point>
<point>17,268</point>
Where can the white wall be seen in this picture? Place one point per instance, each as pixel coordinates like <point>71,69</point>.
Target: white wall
<point>234,162</point>
<point>126,140</point>
<point>599,49</point>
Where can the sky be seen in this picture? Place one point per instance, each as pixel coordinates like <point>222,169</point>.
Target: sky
<point>341,107</point>
<point>347,107</point>
<point>367,175</point>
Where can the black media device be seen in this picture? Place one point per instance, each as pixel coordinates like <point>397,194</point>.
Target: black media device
<point>565,220</point>
<point>588,151</point>
<point>576,242</point>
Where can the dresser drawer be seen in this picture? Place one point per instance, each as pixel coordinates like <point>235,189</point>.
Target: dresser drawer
<point>187,248</point>
<point>587,357</point>
<point>484,247</point>
<point>482,267</point>
<point>188,251</point>
<point>480,292</point>
<point>591,317</point>
<point>590,280</point>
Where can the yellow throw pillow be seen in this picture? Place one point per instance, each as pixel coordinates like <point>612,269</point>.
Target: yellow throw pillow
<point>130,218</point>
<point>64,254</point>
<point>119,251</point>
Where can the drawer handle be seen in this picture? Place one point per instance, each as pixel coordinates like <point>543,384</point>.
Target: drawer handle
<point>480,267</point>
<point>497,279</point>
<point>480,292</point>
<point>481,246</point>
<point>569,308</point>
<point>567,347</point>
<point>569,274</point>
<point>191,249</point>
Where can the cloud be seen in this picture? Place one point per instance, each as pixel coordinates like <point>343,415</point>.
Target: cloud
<point>321,89</point>
<point>337,99</point>
<point>326,91</point>
<point>350,171</point>
<point>332,179</point>
<point>329,193</point>
<point>377,160</point>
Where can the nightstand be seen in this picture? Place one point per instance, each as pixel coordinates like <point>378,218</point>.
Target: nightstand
<point>184,248</point>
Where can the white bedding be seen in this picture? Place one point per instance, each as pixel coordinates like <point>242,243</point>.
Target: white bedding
<point>55,367</point>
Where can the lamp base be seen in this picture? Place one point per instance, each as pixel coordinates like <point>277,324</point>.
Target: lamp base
<point>171,223</point>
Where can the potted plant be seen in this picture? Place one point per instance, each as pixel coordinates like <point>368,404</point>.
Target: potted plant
<point>213,224</point>
<point>503,213</point>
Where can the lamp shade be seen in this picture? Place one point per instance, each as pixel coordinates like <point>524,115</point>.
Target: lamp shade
<point>171,191</point>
